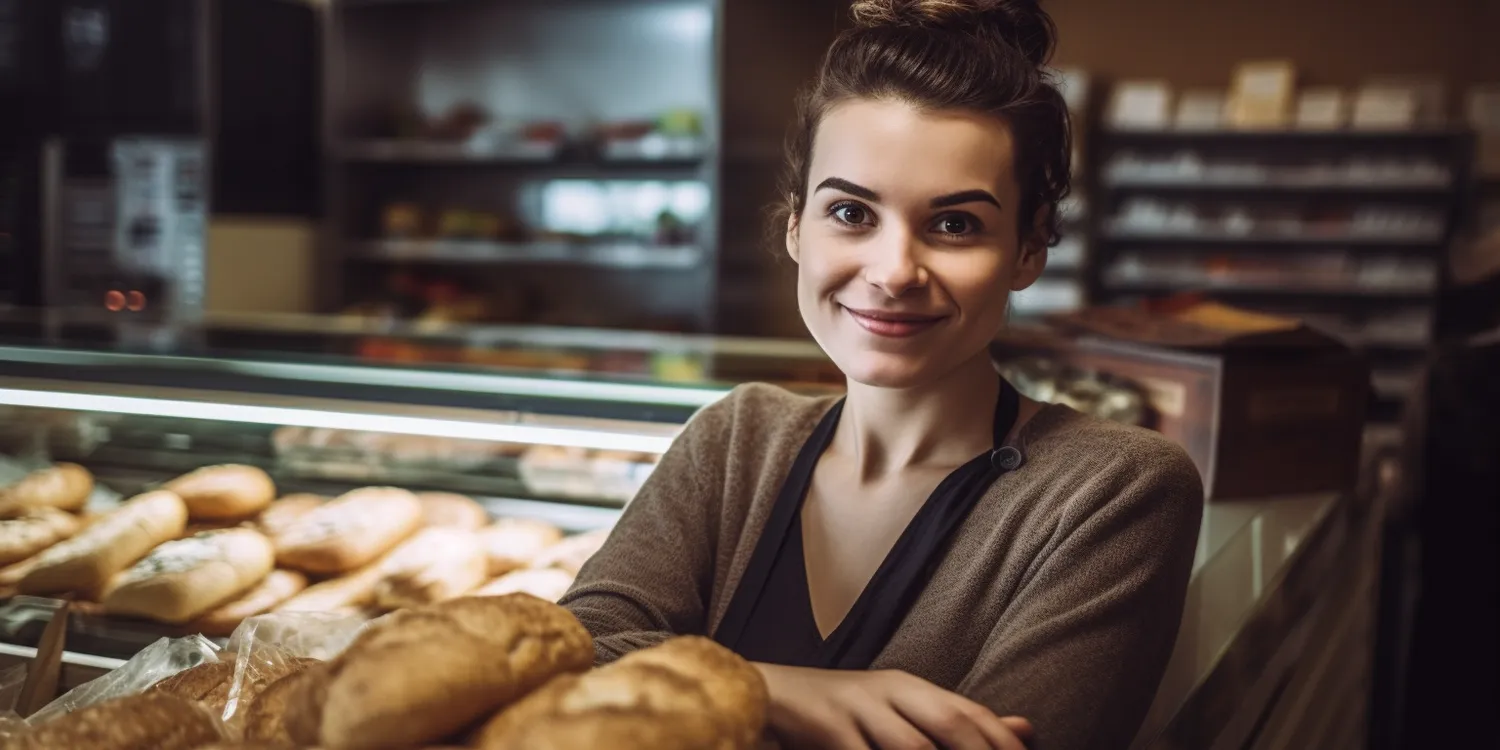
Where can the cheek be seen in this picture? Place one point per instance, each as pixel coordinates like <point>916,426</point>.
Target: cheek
<point>977,281</point>
<point>824,262</point>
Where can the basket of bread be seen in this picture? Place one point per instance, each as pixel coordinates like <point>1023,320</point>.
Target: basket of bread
<point>495,672</point>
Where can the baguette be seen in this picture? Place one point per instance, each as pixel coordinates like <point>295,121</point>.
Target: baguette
<point>458,662</point>
<point>183,579</point>
<point>223,493</point>
<point>350,531</point>
<point>154,720</point>
<point>351,591</point>
<point>449,510</point>
<point>685,694</point>
<point>570,554</point>
<point>62,486</point>
<point>512,543</point>
<point>86,562</point>
<point>542,583</point>
<point>34,530</point>
<point>276,588</point>
<point>435,565</point>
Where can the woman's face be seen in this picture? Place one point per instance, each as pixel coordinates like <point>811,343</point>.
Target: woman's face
<point>908,248</point>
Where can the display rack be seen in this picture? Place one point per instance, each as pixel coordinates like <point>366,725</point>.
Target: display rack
<point>540,163</point>
<point>1347,230</point>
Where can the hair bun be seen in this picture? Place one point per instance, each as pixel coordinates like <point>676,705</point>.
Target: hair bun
<point>1020,23</point>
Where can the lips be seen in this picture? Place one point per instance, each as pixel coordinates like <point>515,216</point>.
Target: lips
<point>893,324</point>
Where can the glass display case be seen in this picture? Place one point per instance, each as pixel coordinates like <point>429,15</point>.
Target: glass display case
<point>562,452</point>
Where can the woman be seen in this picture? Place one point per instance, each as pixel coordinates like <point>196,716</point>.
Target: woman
<point>931,552</point>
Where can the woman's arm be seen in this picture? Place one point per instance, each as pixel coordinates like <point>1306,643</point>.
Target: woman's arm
<point>1083,646</point>
<point>652,578</point>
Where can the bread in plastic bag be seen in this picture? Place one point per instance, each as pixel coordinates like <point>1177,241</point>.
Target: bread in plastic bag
<point>269,647</point>
<point>156,662</point>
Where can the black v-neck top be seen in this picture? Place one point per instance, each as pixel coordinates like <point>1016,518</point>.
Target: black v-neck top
<point>770,619</point>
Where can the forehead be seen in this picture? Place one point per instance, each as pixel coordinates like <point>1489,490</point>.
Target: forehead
<point>898,150</point>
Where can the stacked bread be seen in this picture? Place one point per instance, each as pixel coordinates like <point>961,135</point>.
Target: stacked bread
<point>215,546</point>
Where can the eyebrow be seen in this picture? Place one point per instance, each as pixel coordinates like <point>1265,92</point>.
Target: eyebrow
<point>942,201</point>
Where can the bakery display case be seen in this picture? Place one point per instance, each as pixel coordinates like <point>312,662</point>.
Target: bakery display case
<point>167,495</point>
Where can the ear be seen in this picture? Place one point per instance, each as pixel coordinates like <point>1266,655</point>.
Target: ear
<point>793,248</point>
<point>1033,258</point>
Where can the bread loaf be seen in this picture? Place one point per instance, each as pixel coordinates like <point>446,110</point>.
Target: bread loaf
<point>216,493</point>
<point>86,562</point>
<point>447,510</point>
<point>276,588</point>
<point>570,554</point>
<point>207,684</point>
<point>512,543</point>
<point>350,531</point>
<point>183,579</point>
<point>34,530</point>
<point>542,583</point>
<point>62,486</point>
<point>281,515</point>
<point>154,720</point>
<point>265,717</point>
<point>457,662</point>
<point>685,694</point>
<point>435,565</point>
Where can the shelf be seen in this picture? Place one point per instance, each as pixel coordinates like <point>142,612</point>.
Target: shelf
<point>1353,137</point>
<point>1229,286</point>
<point>1425,239</point>
<point>1283,187</point>
<point>622,255</point>
<point>649,151</point>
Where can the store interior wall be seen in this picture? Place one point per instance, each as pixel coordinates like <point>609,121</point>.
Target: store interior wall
<point>267,265</point>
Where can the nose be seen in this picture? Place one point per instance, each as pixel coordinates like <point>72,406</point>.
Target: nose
<point>894,263</point>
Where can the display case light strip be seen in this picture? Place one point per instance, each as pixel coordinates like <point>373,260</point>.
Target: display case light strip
<point>337,420</point>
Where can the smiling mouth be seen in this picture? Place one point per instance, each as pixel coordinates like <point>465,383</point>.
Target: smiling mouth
<point>893,324</point>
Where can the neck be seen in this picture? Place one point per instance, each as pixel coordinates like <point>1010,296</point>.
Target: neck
<point>944,423</point>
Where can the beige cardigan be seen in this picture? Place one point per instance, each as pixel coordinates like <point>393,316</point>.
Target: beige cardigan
<point>1059,600</point>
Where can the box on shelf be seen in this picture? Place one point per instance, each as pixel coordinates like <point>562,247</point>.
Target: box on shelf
<point>1264,406</point>
<point>1262,94</point>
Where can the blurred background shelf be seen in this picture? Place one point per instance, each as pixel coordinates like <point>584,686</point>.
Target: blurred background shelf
<point>603,254</point>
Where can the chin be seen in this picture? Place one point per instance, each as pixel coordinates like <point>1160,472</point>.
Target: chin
<point>882,369</point>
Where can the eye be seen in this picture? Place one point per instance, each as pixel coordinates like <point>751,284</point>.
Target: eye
<point>852,214</point>
<point>956,225</point>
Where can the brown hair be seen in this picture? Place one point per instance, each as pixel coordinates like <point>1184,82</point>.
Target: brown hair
<point>985,56</point>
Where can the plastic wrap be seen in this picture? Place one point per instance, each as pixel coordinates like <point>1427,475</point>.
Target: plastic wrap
<point>156,662</point>
<point>11,681</point>
<point>271,646</point>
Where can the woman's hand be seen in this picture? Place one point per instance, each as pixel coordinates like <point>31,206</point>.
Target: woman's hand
<point>889,710</point>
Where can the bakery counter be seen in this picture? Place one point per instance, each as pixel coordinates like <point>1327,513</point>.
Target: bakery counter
<point>1278,611</point>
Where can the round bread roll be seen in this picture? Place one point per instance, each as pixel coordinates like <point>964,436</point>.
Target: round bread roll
<point>570,554</point>
<point>513,543</point>
<point>542,583</point>
<point>86,562</point>
<point>283,514</point>
<point>63,486</point>
<point>350,531</point>
<point>449,510</point>
<point>458,662</point>
<point>34,530</point>
<point>183,579</point>
<point>218,493</point>
<point>685,694</point>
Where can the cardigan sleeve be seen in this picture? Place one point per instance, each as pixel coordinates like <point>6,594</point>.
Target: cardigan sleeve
<point>652,578</point>
<point>1082,647</point>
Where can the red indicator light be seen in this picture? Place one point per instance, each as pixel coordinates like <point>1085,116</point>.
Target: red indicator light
<point>114,301</point>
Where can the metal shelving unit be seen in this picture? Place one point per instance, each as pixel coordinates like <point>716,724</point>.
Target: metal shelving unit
<point>1347,229</point>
